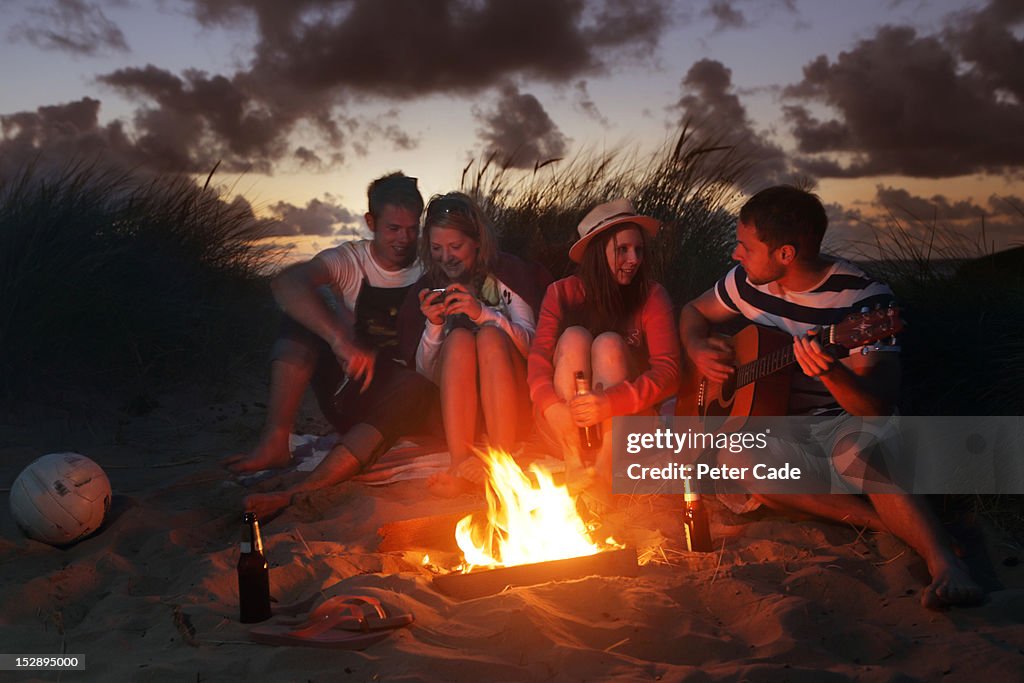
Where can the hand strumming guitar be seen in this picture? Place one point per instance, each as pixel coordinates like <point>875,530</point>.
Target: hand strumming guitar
<point>713,357</point>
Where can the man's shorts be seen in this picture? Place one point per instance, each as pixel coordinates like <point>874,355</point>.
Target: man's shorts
<point>397,402</point>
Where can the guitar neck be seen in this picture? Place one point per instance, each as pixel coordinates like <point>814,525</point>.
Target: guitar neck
<point>749,373</point>
<point>853,331</point>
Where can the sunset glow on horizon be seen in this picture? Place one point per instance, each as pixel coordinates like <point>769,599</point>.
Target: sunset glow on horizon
<point>909,109</point>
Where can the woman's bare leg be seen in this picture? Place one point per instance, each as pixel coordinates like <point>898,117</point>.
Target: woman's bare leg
<point>572,355</point>
<point>459,394</point>
<point>610,358</point>
<point>502,385</point>
<point>459,398</point>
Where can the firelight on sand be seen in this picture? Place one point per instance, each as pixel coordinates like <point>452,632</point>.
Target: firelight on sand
<point>526,522</point>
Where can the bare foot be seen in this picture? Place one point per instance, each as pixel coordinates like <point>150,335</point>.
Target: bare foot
<point>579,479</point>
<point>951,585</point>
<point>270,453</point>
<point>597,496</point>
<point>267,504</point>
<point>467,477</point>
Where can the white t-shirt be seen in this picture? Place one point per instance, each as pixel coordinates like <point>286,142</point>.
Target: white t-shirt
<point>349,262</point>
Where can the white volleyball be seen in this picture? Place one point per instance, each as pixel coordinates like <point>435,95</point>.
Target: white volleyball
<point>60,498</point>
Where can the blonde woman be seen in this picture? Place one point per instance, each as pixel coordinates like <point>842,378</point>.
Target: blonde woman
<point>477,311</point>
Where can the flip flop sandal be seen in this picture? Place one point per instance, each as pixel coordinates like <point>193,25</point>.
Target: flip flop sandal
<point>340,622</point>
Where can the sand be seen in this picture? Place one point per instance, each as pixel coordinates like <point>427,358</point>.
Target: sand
<point>153,596</point>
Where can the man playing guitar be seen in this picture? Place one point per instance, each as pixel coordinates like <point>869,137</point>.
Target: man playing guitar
<point>783,281</point>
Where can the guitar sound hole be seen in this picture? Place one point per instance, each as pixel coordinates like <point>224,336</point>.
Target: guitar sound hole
<point>728,389</point>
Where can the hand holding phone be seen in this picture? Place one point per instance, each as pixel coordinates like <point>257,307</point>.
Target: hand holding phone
<point>432,305</point>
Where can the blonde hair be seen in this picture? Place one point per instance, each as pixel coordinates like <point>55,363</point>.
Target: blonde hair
<point>458,211</point>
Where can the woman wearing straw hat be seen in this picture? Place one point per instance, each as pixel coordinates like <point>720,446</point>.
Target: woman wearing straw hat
<point>611,322</point>
<point>471,324</point>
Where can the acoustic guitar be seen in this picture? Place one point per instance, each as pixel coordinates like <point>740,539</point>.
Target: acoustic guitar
<point>760,384</point>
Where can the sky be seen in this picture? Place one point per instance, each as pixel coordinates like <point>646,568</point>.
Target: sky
<point>909,108</point>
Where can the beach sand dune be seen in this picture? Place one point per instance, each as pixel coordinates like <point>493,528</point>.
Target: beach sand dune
<point>153,595</point>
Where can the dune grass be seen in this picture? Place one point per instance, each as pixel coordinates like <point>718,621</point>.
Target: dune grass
<point>963,349</point>
<point>111,279</point>
<point>690,185</point>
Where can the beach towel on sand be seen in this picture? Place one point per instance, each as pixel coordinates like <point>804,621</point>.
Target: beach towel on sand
<point>407,459</point>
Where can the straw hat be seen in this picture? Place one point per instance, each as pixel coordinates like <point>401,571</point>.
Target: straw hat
<point>608,215</point>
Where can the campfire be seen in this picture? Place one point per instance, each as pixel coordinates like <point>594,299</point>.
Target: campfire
<point>530,533</point>
<point>527,520</point>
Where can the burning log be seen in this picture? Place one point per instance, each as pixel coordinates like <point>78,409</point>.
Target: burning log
<point>422,533</point>
<point>478,584</point>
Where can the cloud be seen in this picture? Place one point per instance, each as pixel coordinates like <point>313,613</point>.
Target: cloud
<point>744,14</point>
<point>926,106</point>
<point>382,127</point>
<point>313,58</point>
<point>55,135</point>
<point>963,226</point>
<point>941,208</point>
<point>848,228</point>
<point>585,103</point>
<point>710,103</point>
<point>308,158</point>
<point>937,206</point>
<point>725,14</point>
<point>201,119</point>
<point>74,26</point>
<point>406,49</point>
<point>318,217</point>
<point>518,132</point>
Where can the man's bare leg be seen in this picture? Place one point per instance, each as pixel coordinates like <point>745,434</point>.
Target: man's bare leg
<point>906,517</point>
<point>909,518</point>
<point>838,507</point>
<point>343,462</point>
<point>288,382</point>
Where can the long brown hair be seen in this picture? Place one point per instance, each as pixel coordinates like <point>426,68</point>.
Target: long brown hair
<point>608,304</point>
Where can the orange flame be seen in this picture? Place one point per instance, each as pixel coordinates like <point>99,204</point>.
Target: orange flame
<point>525,522</point>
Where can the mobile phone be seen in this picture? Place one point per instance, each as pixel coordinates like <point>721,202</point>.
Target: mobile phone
<point>442,291</point>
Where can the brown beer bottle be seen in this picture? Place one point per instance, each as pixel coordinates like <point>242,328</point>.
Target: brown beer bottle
<point>695,521</point>
<point>590,437</point>
<point>253,574</point>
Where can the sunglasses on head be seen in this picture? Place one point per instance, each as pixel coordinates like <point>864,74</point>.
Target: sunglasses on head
<point>446,205</point>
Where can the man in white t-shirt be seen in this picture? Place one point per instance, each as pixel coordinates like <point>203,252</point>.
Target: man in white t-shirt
<point>783,281</point>
<point>339,337</point>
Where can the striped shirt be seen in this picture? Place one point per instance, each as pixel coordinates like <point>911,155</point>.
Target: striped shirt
<point>844,289</point>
